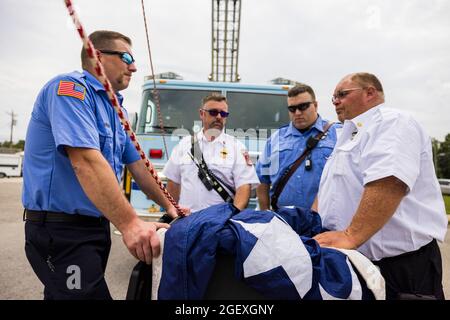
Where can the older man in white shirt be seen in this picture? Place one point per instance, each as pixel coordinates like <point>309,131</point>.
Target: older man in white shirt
<point>379,192</point>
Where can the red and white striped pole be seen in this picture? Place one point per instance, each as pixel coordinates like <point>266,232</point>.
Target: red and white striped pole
<point>100,73</point>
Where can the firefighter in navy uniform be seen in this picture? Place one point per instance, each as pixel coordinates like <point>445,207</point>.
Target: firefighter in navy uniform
<point>76,149</point>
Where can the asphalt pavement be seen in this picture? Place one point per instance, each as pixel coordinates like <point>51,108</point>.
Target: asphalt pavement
<point>18,281</point>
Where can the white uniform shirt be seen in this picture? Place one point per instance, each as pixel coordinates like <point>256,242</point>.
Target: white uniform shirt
<point>226,157</point>
<point>380,143</point>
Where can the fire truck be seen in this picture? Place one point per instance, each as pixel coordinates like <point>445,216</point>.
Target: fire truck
<point>255,112</point>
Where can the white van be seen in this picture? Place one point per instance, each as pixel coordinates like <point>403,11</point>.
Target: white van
<point>11,165</point>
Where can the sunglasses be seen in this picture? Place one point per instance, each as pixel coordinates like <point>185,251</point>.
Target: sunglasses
<point>301,106</point>
<point>343,93</point>
<point>125,56</point>
<point>215,112</point>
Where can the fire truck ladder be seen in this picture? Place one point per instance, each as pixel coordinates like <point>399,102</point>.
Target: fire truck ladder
<point>226,16</point>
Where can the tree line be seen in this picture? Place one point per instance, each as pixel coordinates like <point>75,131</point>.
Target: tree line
<point>19,145</point>
<point>441,156</point>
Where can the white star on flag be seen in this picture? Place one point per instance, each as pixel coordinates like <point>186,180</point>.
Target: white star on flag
<point>278,245</point>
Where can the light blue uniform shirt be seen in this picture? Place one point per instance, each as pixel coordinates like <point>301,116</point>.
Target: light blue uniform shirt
<point>281,151</point>
<point>75,113</point>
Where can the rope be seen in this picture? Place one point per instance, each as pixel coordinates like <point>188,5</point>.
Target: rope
<point>155,91</point>
<point>100,72</point>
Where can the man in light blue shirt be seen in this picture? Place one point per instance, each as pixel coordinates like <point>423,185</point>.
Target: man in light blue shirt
<point>287,144</point>
<point>62,120</point>
<point>74,155</point>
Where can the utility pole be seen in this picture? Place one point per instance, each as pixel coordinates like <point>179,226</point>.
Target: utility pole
<point>13,123</point>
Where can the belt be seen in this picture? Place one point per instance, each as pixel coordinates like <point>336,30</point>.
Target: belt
<point>49,216</point>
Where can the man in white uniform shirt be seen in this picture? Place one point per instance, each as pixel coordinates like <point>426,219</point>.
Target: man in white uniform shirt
<point>225,157</point>
<point>379,192</point>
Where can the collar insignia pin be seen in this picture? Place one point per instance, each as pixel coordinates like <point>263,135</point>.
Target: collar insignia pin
<point>224,153</point>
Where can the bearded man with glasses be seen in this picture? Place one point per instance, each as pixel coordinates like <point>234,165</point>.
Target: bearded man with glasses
<point>289,143</point>
<point>226,160</point>
<point>379,193</point>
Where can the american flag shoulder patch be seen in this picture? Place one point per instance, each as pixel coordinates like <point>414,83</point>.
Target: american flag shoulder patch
<point>71,89</point>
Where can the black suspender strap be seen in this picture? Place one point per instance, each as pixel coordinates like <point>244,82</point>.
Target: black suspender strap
<point>209,180</point>
<point>311,143</point>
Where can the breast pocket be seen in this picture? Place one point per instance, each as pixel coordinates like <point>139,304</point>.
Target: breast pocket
<point>346,159</point>
<point>106,145</point>
<point>283,155</point>
<point>223,170</point>
<point>121,142</point>
<point>186,166</point>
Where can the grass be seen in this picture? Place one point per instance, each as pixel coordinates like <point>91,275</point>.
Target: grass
<point>447,203</point>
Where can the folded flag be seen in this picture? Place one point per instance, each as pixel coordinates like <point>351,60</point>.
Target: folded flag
<point>271,256</point>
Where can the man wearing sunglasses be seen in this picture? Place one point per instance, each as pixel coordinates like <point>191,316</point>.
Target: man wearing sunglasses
<point>379,192</point>
<point>286,145</point>
<point>224,155</point>
<point>76,149</point>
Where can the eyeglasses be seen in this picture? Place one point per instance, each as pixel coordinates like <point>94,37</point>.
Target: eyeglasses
<point>343,93</point>
<point>125,56</point>
<point>301,106</point>
<point>215,112</point>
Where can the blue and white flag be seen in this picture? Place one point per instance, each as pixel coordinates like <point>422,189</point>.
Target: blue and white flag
<point>272,256</point>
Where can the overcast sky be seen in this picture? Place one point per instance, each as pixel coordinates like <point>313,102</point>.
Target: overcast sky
<point>404,42</point>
